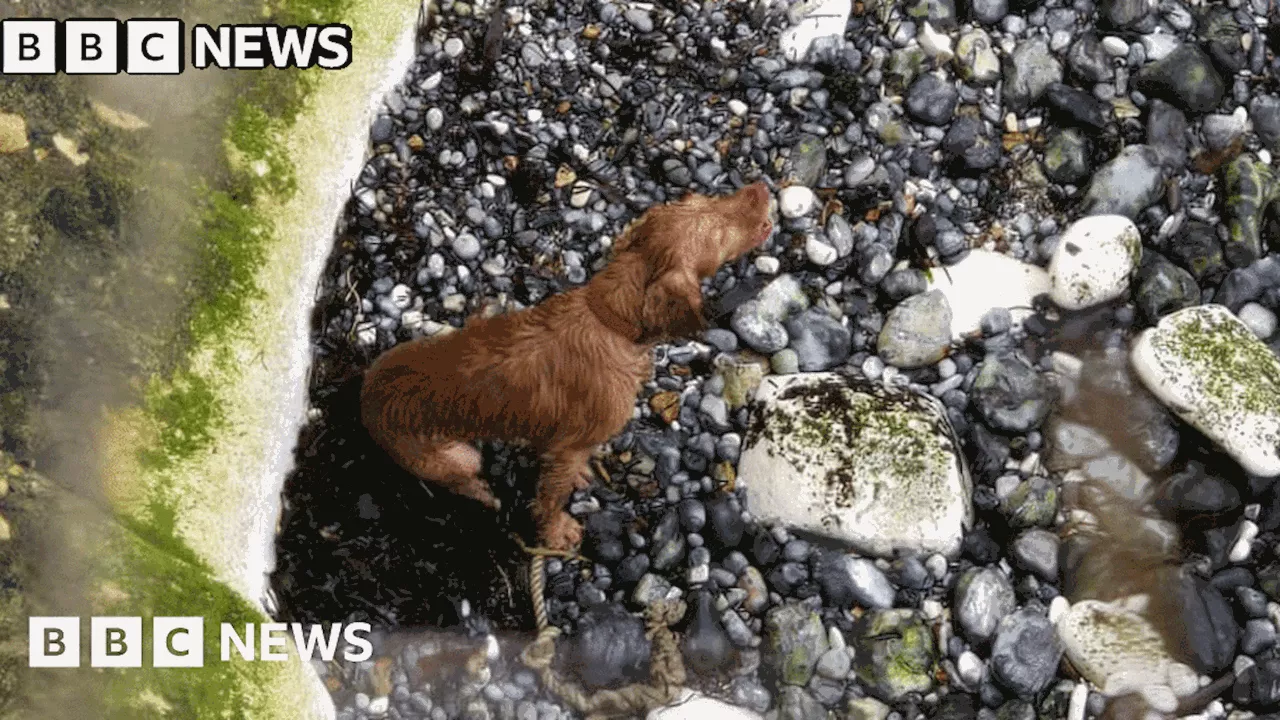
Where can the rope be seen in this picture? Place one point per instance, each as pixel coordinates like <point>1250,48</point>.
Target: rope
<point>666,665</point>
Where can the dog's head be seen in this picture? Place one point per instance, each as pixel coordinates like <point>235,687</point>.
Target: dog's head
<point>687,240</point>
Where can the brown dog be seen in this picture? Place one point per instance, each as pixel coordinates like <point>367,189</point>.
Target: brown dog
<point>562,375</point>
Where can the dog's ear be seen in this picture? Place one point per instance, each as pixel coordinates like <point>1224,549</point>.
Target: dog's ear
<point>672,307</point>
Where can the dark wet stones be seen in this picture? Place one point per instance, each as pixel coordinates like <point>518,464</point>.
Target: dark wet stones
<point>1010,395</point>
<point>1036,551</point>
<point>1167,133</point>
<point>1221,33</point>
<point>609,649</point>
<point>1269,581</point>
<point>726,522</point>
<point>794,640</point>
<point>1162,287</point>
<point>383,130</point>
<point>1197,249</point>
<point>1122,13</point>
<point>1028,72</point>
<point>969,143</point>
<point>894,654</point>
<point>1186,78</point>
<point>604,531</point>
<point>1195,492</point>
<point>1024,658</point>
<point>1076,107</point>
<point>1128,184</point>
<point>1259,636</point>
<point>1088,60</point>
<point>1258,687</point>
<point>1250,187</point>
<point>847,581</point>
<point>979,546</point>
<point>808,161</point>
<point>1264,110</point>
<point>796,704</point>
<point>983,597</point>
<point>1210,626</point>
<point>819,340</point>
<point>1066,156</point>
<point>1237,288</point>
<point>1033,503</point>
<point>932,99</point>
<point>668,541</point>
<point>956,706</point>
<point>707,647</point>
<point>901,284</point>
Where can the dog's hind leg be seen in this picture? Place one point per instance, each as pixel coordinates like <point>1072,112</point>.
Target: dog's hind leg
<point>563,471</point>
<point>450,464</point>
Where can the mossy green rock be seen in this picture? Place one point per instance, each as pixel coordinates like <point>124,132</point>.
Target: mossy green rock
<point>794,640</point>
<point>1034,503</point>
<point>1251,187</point>
<point>895,654</point>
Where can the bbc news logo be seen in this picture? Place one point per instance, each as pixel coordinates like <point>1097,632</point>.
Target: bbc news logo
<point>159,46</point>
<point>178,642</point>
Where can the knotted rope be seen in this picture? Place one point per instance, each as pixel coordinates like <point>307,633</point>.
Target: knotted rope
<point>666,664</point>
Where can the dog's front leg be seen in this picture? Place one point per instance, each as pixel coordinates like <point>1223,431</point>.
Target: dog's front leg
<point>563,471</point>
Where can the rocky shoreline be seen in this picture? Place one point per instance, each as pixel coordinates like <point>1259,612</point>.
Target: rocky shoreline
<point>1006,213</point>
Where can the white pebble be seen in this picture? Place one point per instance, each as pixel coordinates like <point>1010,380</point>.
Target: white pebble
<point>534,115</point>
<point>435,118</point>
<point>969,668</point>
<point>1093,261</point>
<point>1058,607</point>
<point>796,201</point>
<point>379,706</point>
<point>835,638</point>
<point>1244,542</point>
<point>936,44</point>
<point>1079,700</point>
<point>1114,46</point>
<point>699,574</point>
<point>433,81</point>
<point>737,107</point>
<point>768,265</point>
<point>1264,156</point>
<point>453,47</point>
<point>1259,319</point>
<point>820,253</point>
<point>931,609</point>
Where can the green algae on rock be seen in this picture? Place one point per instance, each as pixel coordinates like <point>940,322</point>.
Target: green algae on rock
<point>1250,187</point>
<point>894,654</point>
<point>794,640</point>
<point>1210,369</point>
<point>874,467</point>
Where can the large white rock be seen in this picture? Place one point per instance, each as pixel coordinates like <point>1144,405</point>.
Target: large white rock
<point>813,22</point>
<point>1119,651</point>
<point>984,280</point>
<point>852,460</point>
<point>1210,369</point>
<point>796,201</point>
<point>694,706</point>
<point>1094,260</point>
